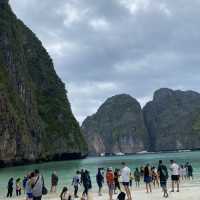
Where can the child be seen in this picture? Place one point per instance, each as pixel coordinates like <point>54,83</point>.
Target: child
<point>65,195</point>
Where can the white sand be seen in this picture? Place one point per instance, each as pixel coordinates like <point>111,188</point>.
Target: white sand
<point>188,191</point>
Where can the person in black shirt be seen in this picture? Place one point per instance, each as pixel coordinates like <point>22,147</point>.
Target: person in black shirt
<point>163,174</point>
<point>54,181</point>
<point>10,187</point>
<point>100,180</point>
<point>190,171</point>
<point>116,180</point>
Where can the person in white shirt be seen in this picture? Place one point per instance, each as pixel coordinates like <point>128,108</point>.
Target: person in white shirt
<point>125,175</point>
<point>174,175</point>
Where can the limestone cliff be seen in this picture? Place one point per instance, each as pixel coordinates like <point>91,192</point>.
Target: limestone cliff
<point>36,122</point>
<point>173,120</point>
<point>117,126</point>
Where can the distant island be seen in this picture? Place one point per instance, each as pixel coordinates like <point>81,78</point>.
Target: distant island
<point>170,122</point>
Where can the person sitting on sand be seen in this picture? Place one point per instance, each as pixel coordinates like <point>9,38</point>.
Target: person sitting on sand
<point>137,177</point>
<point>116,180</point>
<point>110,181</point>
<point>125,174</point>
<point>65,195</point>
<point>54,181</point>
<point>99,180</point>
<point>174,175</point>
<point>163,174</point>
<point>148,178</point>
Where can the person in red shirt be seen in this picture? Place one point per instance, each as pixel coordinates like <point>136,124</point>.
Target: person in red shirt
<point>110,181</point>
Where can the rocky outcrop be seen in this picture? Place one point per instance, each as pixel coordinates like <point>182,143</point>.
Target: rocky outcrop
<point>173,120</point>
<point>36,122</point>
<point>118,126</point>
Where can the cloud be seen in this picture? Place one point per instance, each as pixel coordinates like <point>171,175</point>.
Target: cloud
<point>99,24</point>
<point>102,48</point>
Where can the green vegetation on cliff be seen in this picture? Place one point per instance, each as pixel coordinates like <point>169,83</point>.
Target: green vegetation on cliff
<point>38,122</point>
<point>118,126</point>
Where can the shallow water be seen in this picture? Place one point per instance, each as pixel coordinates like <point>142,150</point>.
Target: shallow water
<point>66,169</point>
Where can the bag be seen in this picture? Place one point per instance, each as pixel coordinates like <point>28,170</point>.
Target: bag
<point>44,190</point>
<point>121,196</point>
<point>164,172</point>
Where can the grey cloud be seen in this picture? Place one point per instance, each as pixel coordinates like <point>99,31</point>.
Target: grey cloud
<point>101,48</point>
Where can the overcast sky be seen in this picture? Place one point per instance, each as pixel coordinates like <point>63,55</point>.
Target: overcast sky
<point>105,47</point>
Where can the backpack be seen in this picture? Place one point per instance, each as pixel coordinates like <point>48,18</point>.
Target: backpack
<point>121,196</point>
<point>164,172</point>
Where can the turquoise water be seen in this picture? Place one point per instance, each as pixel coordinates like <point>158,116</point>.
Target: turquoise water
<point>67,169</point>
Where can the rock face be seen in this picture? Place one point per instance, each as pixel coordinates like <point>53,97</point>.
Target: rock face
<point>173,120</point>
<point>118,126</point>
<point>36,122</point>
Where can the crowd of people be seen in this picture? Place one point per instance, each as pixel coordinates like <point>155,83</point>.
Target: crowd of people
<point>118,181</point>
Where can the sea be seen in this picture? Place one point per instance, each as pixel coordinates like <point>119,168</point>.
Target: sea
<point>67,169</point>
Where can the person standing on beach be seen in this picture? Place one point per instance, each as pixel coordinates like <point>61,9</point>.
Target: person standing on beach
<point>87,184</point>
<point>116,181</point>
<point>75,183</point>
<point>131,180</point>
<point>174,174</point>
<point>142,171</point>
<point>125,174</point>
<point>190,171</point>
<point>28,187</point>
<point>24,182</point>
<point>137,177</point>
<point>155,177</point>
<point>100,180</point>
<point>185,172</point>
<point>110,181</point>
<point>54,181</point>
<point>82,174</point>
<point>37,185</point>
<point>181,172</point>
<point>148,178</point>
<point>10,187</point>
<point>163,174</point>
<point>18,187</point>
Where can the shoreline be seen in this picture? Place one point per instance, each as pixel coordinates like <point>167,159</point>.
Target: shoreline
<point>188,190</point>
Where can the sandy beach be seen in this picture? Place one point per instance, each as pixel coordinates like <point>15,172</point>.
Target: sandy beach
<point>188,191</point>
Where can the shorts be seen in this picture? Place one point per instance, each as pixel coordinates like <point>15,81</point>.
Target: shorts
<point>163,183</point>
<point>175,177</point>
<point>125,183</point>
<point>147,179</point>
<point>111,187</point>
<point>29,195</point>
